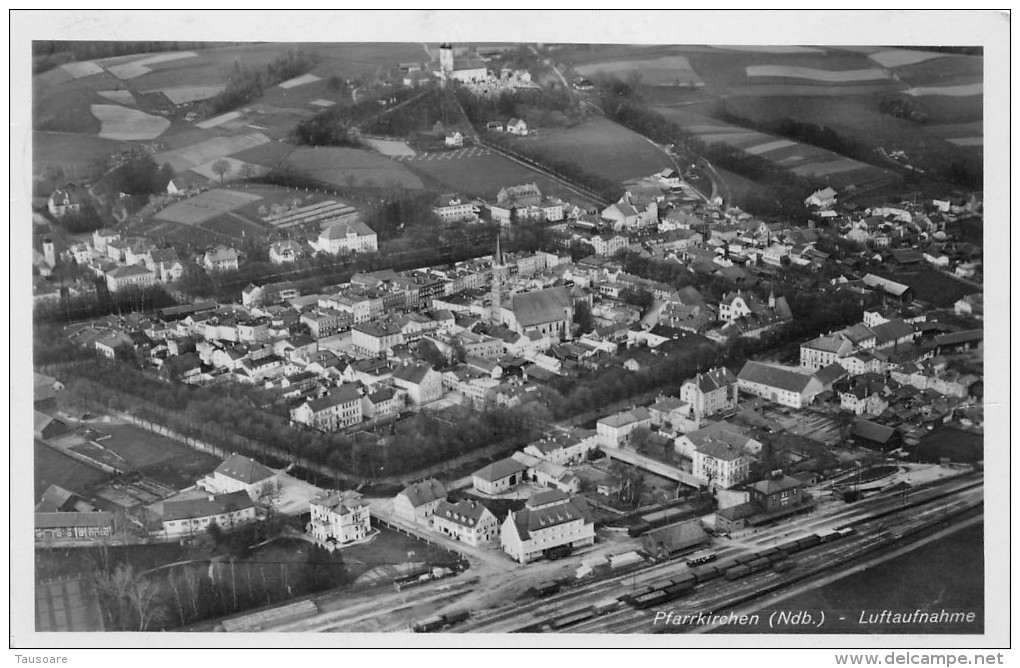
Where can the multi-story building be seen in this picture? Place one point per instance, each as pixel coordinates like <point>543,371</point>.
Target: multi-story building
<point>338,519</point>
<point>615,430</point>
<point>348,236</point>
<point>711,392</point>
<point>778,384</point>
<point>191,517</point>
<point>130,276</point>
<point>340,408</point>
<point>466,521</point>
<point>417,502</point>
<point>550,523</point>
<point>373,339</point>
<point>238,473</point>
<point>720,464</point>
<point>451,208</point>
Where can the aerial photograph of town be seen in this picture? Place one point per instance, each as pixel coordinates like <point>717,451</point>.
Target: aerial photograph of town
<point>464,337</point>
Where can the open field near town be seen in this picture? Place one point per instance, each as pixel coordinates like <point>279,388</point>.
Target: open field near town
<point>482,174</point>
<point>601,147</point>
<point>206,206</point>
<point>391,548</point>
<point>238,169</point>
<point>343,166</point>
<point>948,71</point>
<point>206,151</point>
<point>186,94</point>
<point>900,57</point>
<point>803,159</point>
<point>71,151</point>
<point>813,74</point>
<point>960,90</point>
<point>56,468</point>
<point>117,122</point>
<point>664,71</point>
<point>931,285</point>
<point>118,96</point>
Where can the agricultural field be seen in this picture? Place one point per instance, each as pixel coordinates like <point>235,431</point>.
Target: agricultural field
<point>663,71</point>
<point>601,147</point>
<point>206,206</point>
<point>482,174</point>
<point>812,74</point>
<point>351,166</point>
<point>803,159</point>
<point>72,152</point>
<point>117,122</point>
<point>237,170</point>
<point>187,157</point>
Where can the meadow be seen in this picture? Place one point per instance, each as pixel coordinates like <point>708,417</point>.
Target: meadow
<point>482,175</point>
<point>599,146</point>
<point>351,166</point>
<point>663,71</point>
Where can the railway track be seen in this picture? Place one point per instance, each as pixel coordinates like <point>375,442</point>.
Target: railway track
<point>875,519</point>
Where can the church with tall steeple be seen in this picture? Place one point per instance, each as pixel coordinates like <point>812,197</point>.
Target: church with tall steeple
<point>498,278</point>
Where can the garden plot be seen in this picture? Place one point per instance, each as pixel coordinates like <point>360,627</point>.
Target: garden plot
<point>218,120</point>
<point>187,94</point>
<point>282,217</point>
<point>81,70</point>
<point>206,206</point>
<point>300,81</point>
<point>118,96</point>
<point>901,57</point>
<point>665,71</point>
<point>770,146</point>
<point>813,74</point>
<point>117,122</point>
<point>198,154</point>
<point>826,168</point>
<point>389,147</point>
<point>963,90</point>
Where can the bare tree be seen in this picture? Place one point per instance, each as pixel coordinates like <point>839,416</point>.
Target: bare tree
<point>142,595</point>
<point>220,168</point>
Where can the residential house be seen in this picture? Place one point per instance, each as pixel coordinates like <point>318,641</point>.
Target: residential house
<point>615,431</point>
<point>130,276</point>
<point>551,522</point>
<point>341,407</point>
<point>564,447</point>
<point>723,432</point>
<point>380,404</point>
<point>66,200</point>
<point>517,126</point>
<point>238,473</point>
<point>777,492</point>
<point>220,258</point>
<point>778,384</point>
<point>609,244</point>
<point>191,517</point>
<point>864,394</point>
<point>373,339</point>
<point>455,140</point>
<point>421,382</point>
<point>339,519</point>
<point>671,414</point>
<point>417,502</point>
<point>821,199</point>
<point>467,521</point>
<point>286,251</point>
<point>711,392</point>
<point>720,465</point>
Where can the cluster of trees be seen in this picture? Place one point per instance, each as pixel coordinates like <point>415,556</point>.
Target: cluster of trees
<point>198,589</point>
<point>246,84</point>
<point>806,133</point>
<point>101,302</point>
<point>85,219</point>
<point>905,107</point>
<point>544,107</point>
<point>785,189</point>
<point>255,422</point>
<point>141,176</point>
<point>406,112</point>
